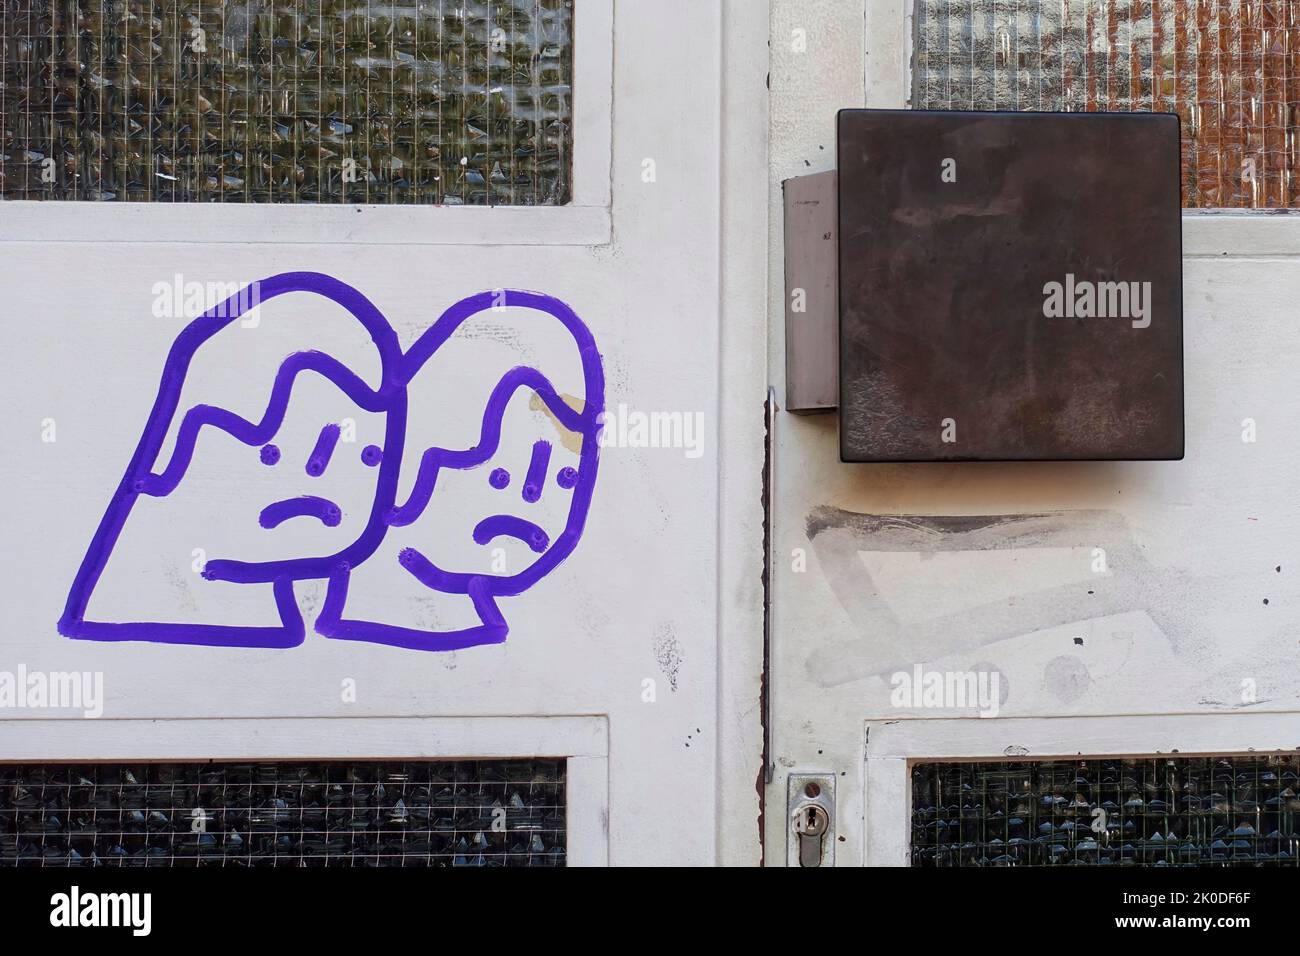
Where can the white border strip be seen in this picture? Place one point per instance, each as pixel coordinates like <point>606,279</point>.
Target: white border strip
<point>585,221</point>
<point>587,812</point>
<point>593,103</point>
<point>887,41</point>
<point>1245,233</point>
<point>742,368</point>
<point>302,738</point>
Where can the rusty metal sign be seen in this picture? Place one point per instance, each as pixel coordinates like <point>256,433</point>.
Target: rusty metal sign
<point>1010,286</point>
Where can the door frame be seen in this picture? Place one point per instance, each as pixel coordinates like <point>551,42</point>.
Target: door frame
<point>892,747</point>
<point>583,741</point>
<point>586,220</point>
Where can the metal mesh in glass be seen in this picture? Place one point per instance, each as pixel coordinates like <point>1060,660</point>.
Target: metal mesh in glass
<point>287,101</point>
<point>1166,811</point>
<point>1230,68</point>
<point>334,813</point>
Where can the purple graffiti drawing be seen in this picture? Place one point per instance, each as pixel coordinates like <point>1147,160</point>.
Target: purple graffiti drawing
<point>483,589</point>
<point>147,476</point>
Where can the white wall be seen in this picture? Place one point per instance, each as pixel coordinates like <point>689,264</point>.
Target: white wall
<point>1175,624</point>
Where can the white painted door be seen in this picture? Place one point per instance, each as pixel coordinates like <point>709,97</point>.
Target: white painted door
<point>549,593</point>
<point>1190,643</point>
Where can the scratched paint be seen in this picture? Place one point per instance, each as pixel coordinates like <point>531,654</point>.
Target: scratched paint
<point>145,478</point>
<point>884,640</point>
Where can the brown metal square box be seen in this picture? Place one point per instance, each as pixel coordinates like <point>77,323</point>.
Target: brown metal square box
<point>1010,286</point>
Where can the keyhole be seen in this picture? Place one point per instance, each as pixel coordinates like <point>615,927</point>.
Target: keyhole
<point>811,825</point>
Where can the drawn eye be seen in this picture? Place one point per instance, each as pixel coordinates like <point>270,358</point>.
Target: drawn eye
<point>499,478</point>
<point>566,477</point>
<point>372,455</point>
<point>270,454</point>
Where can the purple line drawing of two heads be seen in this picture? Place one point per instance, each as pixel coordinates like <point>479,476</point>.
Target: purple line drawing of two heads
<point>148,475</point>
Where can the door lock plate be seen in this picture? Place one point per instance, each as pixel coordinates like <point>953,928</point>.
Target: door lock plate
<point>810,800</point>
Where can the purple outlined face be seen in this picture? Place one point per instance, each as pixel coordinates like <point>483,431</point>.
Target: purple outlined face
<point>150,474</point>
<point>498,513</point>
<point>533,486</point>
<point>305,493</point>
<point>301,490</point>
<point>310,487</point>
<point>502,465</point>
<point>327,511</point>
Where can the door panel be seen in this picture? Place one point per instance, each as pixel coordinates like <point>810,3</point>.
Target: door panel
<point>605,603</point>
<point>1108,608</point>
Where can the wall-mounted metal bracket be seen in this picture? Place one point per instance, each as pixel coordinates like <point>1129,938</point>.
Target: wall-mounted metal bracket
<point>811,294</point>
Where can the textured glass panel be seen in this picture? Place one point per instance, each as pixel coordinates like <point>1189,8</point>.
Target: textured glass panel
<point>1231,68</point>
<point>336,813</point>
<point>1179,811</point>
<point>293,101</point>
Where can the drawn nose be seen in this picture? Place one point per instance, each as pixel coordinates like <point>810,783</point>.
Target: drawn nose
<point>536,476</point>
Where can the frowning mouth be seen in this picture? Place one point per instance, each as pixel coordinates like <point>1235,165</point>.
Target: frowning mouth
<point>278,512</point>
<point>511,527</point>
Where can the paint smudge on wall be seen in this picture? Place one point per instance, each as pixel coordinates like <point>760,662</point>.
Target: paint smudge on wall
<point>892,627</point>
<point>668,653</point>
<point>569,439</point>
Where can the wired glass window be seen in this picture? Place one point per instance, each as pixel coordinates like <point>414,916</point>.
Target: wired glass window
<point>1165,811</point>
<point>1229,68</point>
<point>413,813</point>
<point>287,101</point>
